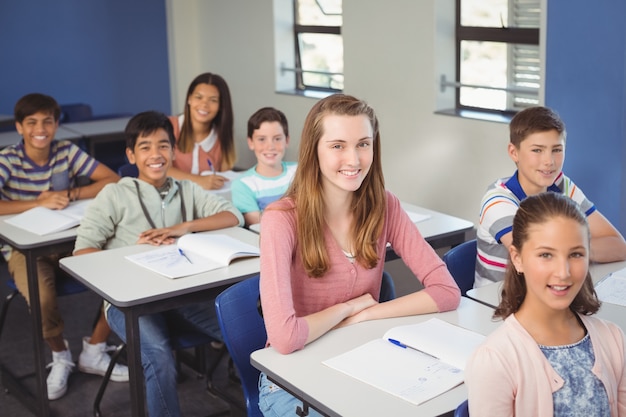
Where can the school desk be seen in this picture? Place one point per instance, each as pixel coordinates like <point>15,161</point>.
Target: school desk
<point>99,131</point>
<point>136,291</point>
<point>490,294</point>
<point>438,229</point>
<point>13,138</point>
<point>33,246</point>
<point>333,393</point>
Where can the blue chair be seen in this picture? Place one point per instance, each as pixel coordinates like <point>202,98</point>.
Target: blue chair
<point>387,288</point>
<point>128,170</point>
<point>243,330</point>
<point>78,112</point>
<point>462,410</point>
<point>461,262</point>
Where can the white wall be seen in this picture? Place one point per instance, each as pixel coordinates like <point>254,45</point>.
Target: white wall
<point>440,162</point>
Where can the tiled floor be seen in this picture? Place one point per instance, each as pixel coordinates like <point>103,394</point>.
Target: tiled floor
<point>79,311</point>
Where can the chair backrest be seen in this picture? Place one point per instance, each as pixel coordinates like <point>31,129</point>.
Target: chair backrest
<point>462,410</point>
<point>243,330</point>
<point>461,262</point>
<point>78,112</point>
<point>128,170</point>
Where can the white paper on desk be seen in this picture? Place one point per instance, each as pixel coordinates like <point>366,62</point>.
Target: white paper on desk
<point>43,221</point>
<point>612,288</point>
<point>409,373</point>
<point>417,217</point>
<point>202,252</point>
<point>230,175</point>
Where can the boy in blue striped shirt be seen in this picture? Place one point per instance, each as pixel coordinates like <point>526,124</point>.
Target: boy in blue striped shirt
<point>267,181</point>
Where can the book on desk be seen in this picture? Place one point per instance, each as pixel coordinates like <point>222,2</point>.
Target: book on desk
<point>193,254</point>
<point>415,362</point>
<point>43,221</point>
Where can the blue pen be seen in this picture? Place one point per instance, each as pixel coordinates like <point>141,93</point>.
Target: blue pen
<point>211,166</point>
<point>403,346</point>
<point>184,256</point>
<point>398,343</point>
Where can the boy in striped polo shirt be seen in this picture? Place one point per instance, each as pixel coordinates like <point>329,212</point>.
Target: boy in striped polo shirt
<point>42,172</point>
<point>267,181</point>
<point>537,146</point>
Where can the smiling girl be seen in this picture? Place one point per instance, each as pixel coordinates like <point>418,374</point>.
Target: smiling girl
<point>204,133</point>
<point>549,358</point>
<point>323,245</point>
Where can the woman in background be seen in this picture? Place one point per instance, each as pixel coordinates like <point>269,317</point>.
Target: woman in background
<point>204,133</point>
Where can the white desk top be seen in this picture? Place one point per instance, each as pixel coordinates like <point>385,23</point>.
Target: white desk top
<point>436,225</point>
<point>125,283</point>
<point>99,127</point>
<point>23,239</point>
<point>13,138</point>
<point>337,394</point>
<point>490,294</point>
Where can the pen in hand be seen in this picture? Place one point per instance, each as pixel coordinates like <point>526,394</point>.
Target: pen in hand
<point>184,256</point>
<point>211,166</point>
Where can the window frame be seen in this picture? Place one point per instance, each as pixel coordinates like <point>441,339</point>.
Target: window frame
<point>298,29</point>
<point>515,35</point>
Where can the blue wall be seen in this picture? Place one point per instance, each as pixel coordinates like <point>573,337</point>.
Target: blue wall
<point>111,54</point>
<point>586,84</point>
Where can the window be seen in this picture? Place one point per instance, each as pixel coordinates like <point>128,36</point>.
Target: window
<point>498,66</point>
<point>318,45</point>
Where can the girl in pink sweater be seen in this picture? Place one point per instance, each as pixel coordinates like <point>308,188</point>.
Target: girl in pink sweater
<point>549,358</point>
<point>323,245</point>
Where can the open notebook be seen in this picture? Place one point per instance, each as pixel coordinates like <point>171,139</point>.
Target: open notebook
<point>43,221</point>
<point>194,253</point>
<point>415,362</point>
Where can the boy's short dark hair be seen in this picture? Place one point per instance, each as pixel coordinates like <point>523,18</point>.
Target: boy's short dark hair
<point>34,103</point>
<point>146,123</point>
<point>267,114</point>
<point>533,120</point>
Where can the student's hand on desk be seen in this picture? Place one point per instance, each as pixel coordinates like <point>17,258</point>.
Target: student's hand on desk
<point>163,236</point>
<point>55,200</point>
<point>358,305</point>
<point>212,182</point>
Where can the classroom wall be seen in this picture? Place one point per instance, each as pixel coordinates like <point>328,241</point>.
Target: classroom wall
<point>130,56</point>
<point>586,84</point>
<point>110,54</point>
<point>441,162</point>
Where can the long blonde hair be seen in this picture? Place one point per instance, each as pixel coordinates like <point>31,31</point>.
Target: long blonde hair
<point>368,202</point>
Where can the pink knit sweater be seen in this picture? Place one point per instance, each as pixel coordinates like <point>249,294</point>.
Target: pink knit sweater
<point>288,293</point>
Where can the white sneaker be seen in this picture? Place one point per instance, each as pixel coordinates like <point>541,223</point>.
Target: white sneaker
<point>61,367</point>
<point>94,359</point>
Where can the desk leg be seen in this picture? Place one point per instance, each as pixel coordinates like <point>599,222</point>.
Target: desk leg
<point>35,310</point>
<point>136,378</point>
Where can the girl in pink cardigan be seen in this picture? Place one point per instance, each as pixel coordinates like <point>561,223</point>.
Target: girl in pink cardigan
<point>323,245</point>
<point>550,357</point>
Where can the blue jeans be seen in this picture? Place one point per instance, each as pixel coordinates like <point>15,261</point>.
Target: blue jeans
<point>276,402</point>
<point>158,363</point>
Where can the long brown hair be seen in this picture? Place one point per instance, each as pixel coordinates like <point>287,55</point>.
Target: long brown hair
<point>535,210</point>
<point>223,121</point>
<point>368,202</point>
